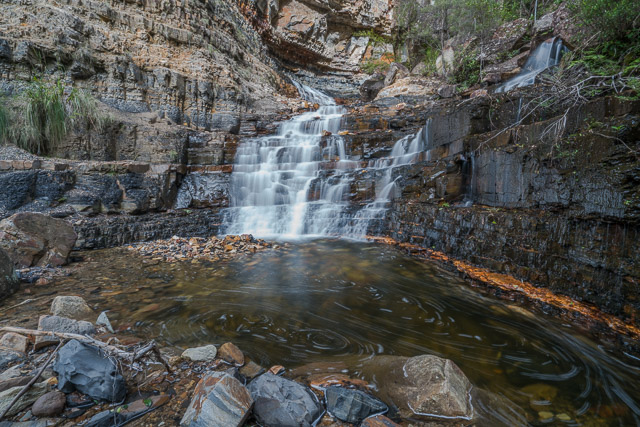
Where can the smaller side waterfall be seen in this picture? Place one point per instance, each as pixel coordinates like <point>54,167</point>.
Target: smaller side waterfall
<point>405,151</point>
<point>547,55</point>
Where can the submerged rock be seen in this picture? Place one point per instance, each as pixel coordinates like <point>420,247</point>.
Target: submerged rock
<point>201,354</point>
<point>88,370</point>
<point>73,307</point>
<point>219,400</point>
<point>283,403</point>
<point>424,386</point>
<point>36,239</point>
<point>351,405</point>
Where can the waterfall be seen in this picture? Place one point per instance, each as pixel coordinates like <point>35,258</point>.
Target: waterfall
<point>547,55</point>
<point>298,181</point>
<point>279,186</point>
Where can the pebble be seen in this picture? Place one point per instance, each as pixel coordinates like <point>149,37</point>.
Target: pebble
<point>545,415</point>
<point>49,404</point>
<point>213,248</point>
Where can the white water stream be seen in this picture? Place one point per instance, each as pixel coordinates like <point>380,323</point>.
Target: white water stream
<point>297,182</point>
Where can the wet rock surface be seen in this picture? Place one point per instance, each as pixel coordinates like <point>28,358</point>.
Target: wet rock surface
<point>352,406</point>
<point>282,402</point>
<point>426,387</point>
<point>201,354</point>
<point>86,369</point>
<point>219,400</point>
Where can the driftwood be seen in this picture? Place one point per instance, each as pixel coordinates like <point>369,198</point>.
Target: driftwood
<point>33,380</point>
<point>110,349</point>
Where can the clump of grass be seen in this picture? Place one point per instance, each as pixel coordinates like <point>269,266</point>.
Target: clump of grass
<point>41,117</point>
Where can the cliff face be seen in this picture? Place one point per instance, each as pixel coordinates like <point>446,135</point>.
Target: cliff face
<point>196,66</point>
<point>330,37</point>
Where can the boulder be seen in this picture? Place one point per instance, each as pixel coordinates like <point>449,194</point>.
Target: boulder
<point>219,400</point>
<point>445,62</point>
<point>88,370</point>
<point>231,354</point>
<point>15,342</point>
<point>49,404</point>
<point>35,239</point>
<point>201,354</point>
<point>72,307</point>
<point>61,324</point>
<point>370,88</point>
<point>8,280</point>
<point>420,69</point>
<point>283,403</point>
<point>424,386</point>
<point>351,405</point>
<point>27,399</point>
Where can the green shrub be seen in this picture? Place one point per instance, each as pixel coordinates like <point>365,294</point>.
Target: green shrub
<point>467,73</point>
<point>375,66</point>
<point>41,117</point>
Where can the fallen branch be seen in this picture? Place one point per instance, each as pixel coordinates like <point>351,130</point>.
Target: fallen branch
<point>112,350</point>
<point>33,380</point>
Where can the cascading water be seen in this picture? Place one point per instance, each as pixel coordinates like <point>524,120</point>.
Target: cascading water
<point>405,151</point>
<point>547,55</point>
<point>279,186</point>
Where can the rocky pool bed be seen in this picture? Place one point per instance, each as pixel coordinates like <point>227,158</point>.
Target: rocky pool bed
<point>325,331</point>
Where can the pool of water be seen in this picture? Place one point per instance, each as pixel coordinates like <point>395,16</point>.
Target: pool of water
<point>344,301</point>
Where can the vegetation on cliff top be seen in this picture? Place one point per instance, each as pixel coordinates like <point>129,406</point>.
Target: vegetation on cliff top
<point>40,117</point>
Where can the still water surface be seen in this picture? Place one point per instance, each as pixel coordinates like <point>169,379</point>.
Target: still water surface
<point>342,301</point>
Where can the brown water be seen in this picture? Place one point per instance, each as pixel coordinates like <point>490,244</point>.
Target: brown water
<point>343,301</point>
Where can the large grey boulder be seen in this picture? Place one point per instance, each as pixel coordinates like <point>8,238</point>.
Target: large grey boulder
<point>352,406</point>
<point>61,324</point>
<point>88,370</point>
<point>73,307</point>
<point>219,400</point>
<point>425,386</point>
<point>283,403</point>
<point>35,239</point>
<point>8,280</point>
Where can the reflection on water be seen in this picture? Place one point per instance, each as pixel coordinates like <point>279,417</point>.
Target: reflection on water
<point>341,301</point>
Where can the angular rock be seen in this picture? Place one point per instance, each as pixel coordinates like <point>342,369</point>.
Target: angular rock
<point>73,307</point>
<point>61,324</point>
<point>126,413</point>
<point>15,342</point>
<point>370,88</point>
<point>88,370</point>
<point>34,392</point>
<point>14,382</point>
<point>9,282</point>
<point>282,402</point>
<point>395,71</point>
<point>447,91</point>
<point>13,372</point>
<point>219,400</point>
<point>36,239</point>
<point>201,354</point>
<point>49,404</point>
<point>9,356</point>
<point>424,386</point>
<point>378,421</point>
<point>232,354</point>
<point>351,405</point>
<point>250,370</point>
<point>103,320</point>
